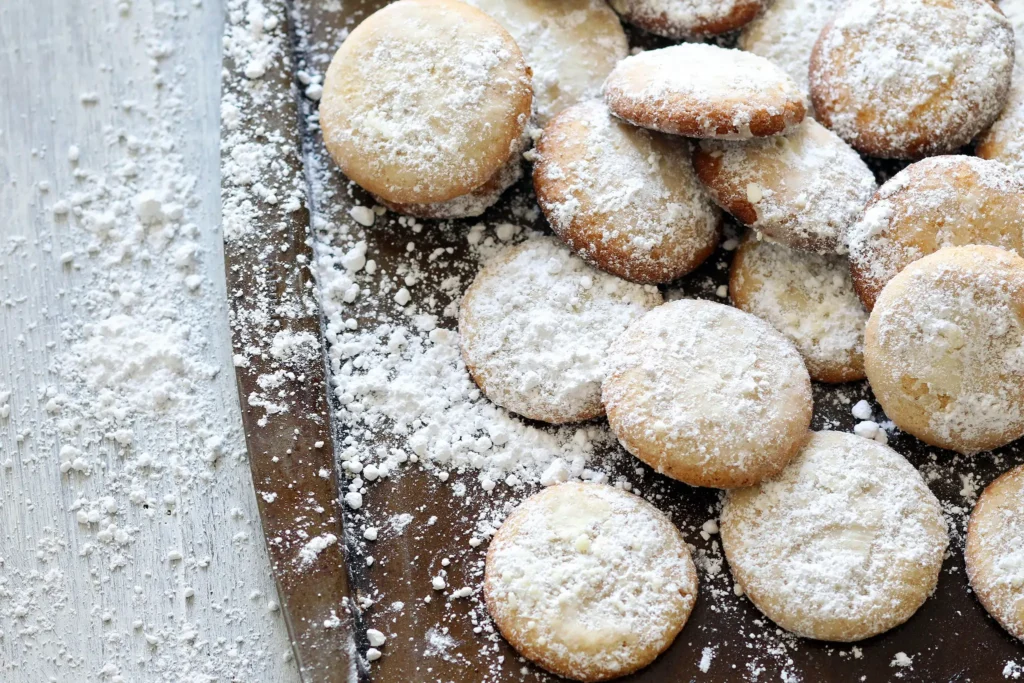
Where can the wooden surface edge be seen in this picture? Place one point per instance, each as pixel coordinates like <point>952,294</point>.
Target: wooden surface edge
<point>271,291</point>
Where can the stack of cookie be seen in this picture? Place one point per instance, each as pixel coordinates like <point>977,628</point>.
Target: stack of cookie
<point>916,285</point>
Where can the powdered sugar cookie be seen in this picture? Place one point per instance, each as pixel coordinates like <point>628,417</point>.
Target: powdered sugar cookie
<point>570,45</point>
<point>807,297</point>
<point>908,78</point>
<point>688,18</point>
<point>588,581</point>
<point>704,91</point>
<point>995,550</point>
<point>425,101</point>
<point>846,543</point>
<point>803,189</point>
<point>707,394</point>
<point>625,199</point>
<point>934,203</point>
<point>785,34</point>
<point>944,348</point>
<point>1004,141</point>
<point>535,325</point>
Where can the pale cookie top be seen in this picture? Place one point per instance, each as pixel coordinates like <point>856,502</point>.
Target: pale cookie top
<point>907,78</point>
<point>785,34</point>
<point>571,46</point>
<point>688,18</point>
<point>937,202</point>
<point>803,189</point>
<point>995,550</point>
<point>535,326</point>
<point>845,543</point>
<point>807,297</point>
<point>705,91</point>
<point>425,101</point>
<point>945,348</point>
<point>625,198</point>
<point>696,387</point>
<point>589,581</point>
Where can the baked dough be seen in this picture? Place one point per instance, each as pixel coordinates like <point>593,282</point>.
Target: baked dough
<point>846,543</point>
<point>535,326</point>
<point>802,189</point>
<point>807,297</point>
<point>425,101</point>
<point>588,581</point>
<point>623,198</point>
<point>934,203</point>
<point>704,91</point>
<point>570,45</point>
<point>944,348</point>
<point>906,79</point>
<point>707,394</point>
<point>995,550</point>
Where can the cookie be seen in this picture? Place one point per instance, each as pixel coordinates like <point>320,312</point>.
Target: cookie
<point>905,79</point>
<point>802,189</point>
<point>680,19</point>
<point>623,198</point>
<point>704,91</point>
<point>707,394</point>
<point>425,101</point>
<point>570,45</point>
<point>934,203</point>
<point>588,581</point>
<point>807,297</point>
<point>846,543</point>
<point>785,34</point>
<point>944,348</point>
<point>535,325</point>
<point>1004,141</point>
<point>995,550</point>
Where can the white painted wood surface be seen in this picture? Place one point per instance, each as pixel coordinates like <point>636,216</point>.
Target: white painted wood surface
<point>65,617</point>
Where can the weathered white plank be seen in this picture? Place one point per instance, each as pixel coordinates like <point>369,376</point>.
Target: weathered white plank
<point>64,613</point>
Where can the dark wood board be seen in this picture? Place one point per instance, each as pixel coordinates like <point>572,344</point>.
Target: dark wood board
<point>949,639</point>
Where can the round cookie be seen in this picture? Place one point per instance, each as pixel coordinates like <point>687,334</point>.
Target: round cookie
<point>802,189</point>
<point>846,543</point>
<point>704,91</point>
<point>425,101</point>
<point>680,19</point>
<point>785,34</point>
<point>570,45</point>
<point>707,394</point>
<point>934,203</point>
<point>535,325</point>
<point>905,79</point>
<point>589,581</point>
<point>624,198</point>
<point>1004,141</point>
<point>944,348</point>
<point>995,550</point>
<point>807,297</point>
